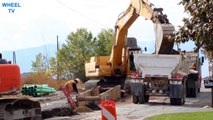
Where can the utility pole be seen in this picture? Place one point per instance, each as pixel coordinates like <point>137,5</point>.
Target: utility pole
<point>14,57</point>
<point>57,59</point>
<point>57,44</point>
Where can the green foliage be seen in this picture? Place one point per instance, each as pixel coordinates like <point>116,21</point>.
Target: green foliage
<point>78,48</point>
<point>54,70</point>
<point>104,42</point>
<point>199,25</point>
<point>40,63</point>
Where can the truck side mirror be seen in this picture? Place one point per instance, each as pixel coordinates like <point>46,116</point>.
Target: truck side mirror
<point>202,60</point>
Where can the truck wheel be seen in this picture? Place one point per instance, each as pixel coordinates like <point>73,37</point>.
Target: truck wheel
<point>198,90</point>
<point>194,92</point>
<point>172,101</point>
<point>180,101</point>
<point>177,101</point>
<point>188,92</point>
<point>146,98</point>
<point>135,99</point>
<point>141,99</point>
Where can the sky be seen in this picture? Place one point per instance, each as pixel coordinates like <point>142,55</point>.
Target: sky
<point>37,22</point>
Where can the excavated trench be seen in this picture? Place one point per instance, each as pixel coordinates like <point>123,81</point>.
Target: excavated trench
<point>68,111</point>
<point>56,112</point>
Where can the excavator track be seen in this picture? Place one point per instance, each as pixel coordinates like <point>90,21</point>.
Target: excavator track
<point>19,109</point>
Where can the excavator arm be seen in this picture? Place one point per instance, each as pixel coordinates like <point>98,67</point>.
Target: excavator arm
<point>141,8</point>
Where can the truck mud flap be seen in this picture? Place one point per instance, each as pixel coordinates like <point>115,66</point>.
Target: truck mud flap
<point>176,91</point>
<point>137,89</point>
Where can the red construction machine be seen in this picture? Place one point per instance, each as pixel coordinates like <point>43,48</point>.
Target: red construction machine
<point>12,104</point>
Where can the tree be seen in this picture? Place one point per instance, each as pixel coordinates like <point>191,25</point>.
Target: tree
<point>41,69</point>
<point>40,63</point>
<point>79,47</point>
<point>54,70</point>
<point>104,42</point>
<point>198,26</point>
<point>71,57</point>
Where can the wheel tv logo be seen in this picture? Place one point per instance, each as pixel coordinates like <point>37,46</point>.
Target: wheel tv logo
<point>11,6</point>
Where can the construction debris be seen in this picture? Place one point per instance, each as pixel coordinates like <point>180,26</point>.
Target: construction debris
<point>96,95</point>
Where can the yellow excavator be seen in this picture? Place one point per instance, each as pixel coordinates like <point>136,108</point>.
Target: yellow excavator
<point>114,69</point>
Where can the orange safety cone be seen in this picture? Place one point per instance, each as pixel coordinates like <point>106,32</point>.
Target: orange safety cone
<point>108,111</point>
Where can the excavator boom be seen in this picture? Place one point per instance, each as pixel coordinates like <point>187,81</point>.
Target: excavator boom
<point>140,8</point>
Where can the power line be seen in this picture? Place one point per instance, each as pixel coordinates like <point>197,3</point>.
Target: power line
<point>81,14</point>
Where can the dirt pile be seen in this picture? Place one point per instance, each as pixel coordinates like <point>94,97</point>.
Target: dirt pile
<point>83,109</point>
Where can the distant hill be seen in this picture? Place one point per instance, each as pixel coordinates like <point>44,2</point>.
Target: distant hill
<point>24,57</point>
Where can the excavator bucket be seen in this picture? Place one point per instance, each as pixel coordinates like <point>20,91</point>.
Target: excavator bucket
<point>19,109</point>
<point>163,33</point>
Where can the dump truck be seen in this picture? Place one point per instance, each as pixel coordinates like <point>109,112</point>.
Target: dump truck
<point>14,106</point>
<point>171,75</point>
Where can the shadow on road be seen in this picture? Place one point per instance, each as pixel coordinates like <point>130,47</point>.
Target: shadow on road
<point>204,99</point>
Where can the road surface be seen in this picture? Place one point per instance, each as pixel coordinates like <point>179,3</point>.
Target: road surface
<point>126,110</point>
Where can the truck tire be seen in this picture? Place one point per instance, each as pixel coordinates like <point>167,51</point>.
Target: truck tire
<point>141,99</point>
<point>188,92</point>
<point>135,99</point>
<point>177,101</point>
<point>172,101</point>
<point>146,98</point>
<point>194,92</point>
<point>180,101</point>
<point>198,90</point>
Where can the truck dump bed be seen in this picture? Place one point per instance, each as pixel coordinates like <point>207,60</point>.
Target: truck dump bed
<point>160,65</point>
<point>156,65</point>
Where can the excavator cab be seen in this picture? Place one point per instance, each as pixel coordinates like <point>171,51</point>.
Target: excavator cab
<point>131,49</point>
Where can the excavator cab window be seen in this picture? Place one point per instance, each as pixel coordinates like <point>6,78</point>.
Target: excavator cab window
<point>131,59</point>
